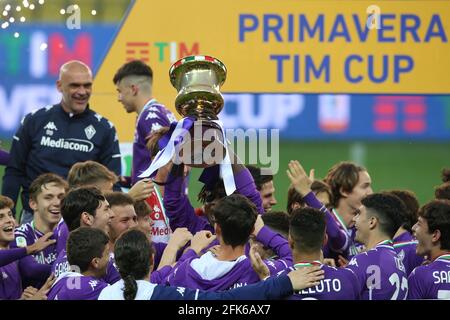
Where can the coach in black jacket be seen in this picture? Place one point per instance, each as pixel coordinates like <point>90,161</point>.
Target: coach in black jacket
<point>53,138</point>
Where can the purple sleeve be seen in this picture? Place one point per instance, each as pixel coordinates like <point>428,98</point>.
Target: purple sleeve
<point>190,253</point>
<point>157,277</point>
<point>4,157</point>
<point>280,246</point>
<point>179,210</point>
<point>245,185</point>
<point>337,238</point>
<point>10,255</point>
<point>31,269</point>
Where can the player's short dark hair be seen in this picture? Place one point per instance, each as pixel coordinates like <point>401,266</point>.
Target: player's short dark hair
<point>6,202</point>
<point>294,197</point>
<point>412,207</point>
<point>89,173</point>
<point>133,257</point>
<point>388,209</point>
<point>85,244</point>
<point>77,201</point>
<point>41,181</point>
<point>142,208</point>
<point>260,179</point>
<point>118,198</point>
<point>343,175</point>
<point>445,175</point>
<point>278,221</point>
<point>209,194</point>
<point>236,216</point>
<point>307,229</point>
<point>133,68</point>
<point>437,215</point>
<point>442,191</point>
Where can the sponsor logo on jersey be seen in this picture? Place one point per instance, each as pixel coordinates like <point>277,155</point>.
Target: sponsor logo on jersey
<point>68,144</point>
<point>51,126</point>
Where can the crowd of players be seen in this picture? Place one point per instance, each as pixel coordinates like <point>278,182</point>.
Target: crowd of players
<point>81,237</point>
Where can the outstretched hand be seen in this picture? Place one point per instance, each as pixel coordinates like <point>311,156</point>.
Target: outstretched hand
<point>300,181</point>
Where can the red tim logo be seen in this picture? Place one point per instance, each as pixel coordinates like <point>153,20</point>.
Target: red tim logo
<point>405,113</point>
<point>137,51</point>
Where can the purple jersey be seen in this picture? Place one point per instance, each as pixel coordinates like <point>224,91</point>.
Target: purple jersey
<point>153,117</point>
<point>405,246</point>
<point>381,273</point>
<point>61,233</point>
<point>209,273</point>
<point>10,282</point>
<point>26,235</point>
<point>431,281</point>
<point>338,284</point>
<point>75,286</point>
<point>61,265</point>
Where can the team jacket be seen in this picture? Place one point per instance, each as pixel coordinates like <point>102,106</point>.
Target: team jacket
<point>52,140</point>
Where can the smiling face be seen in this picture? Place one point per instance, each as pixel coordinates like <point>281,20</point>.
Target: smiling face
<point>361,189</point>
<point>7,226</point>
<point>423,236</point>
<point>362,223</point>
<point>267,193</point>
<point>75,85</point>
<point>47,205</point>
<point>124,218</point>
<point>103,216</point>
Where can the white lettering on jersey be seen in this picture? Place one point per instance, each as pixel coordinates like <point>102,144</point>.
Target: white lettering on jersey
<point>68,144</point>
<point>441,277</point>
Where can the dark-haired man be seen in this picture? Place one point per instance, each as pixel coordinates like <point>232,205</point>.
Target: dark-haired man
<point>432,231</point>
<point>133,82</point>
<point>306,237</point>
<point>380,272</point>
<point>264,184</point>
<point>234,221</point>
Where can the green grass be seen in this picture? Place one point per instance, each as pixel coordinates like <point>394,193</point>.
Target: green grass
<point>405,165</point>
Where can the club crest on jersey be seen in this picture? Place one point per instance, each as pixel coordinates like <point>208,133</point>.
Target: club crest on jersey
<point>90,132</point>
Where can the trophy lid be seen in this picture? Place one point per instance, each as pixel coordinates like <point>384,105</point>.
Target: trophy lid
<point>185,62</point>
